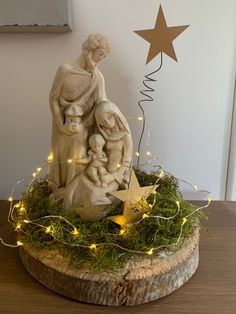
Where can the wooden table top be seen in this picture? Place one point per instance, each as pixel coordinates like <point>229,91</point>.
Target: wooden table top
<point>211,290</point>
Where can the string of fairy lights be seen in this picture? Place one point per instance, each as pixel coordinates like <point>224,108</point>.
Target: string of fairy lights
<point>71,229</point>
<point>75,232</point>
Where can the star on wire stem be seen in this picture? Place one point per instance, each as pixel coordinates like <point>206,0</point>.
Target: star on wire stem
<point>161,37</point>
<point>131,197</point>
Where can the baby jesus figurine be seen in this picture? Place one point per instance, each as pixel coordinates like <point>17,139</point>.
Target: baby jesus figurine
<point>97,158</point>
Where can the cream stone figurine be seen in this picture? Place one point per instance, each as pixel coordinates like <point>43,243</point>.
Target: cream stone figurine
<point>91,145</point>
<point>97,159</point>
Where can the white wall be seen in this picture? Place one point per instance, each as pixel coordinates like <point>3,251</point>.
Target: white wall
<point>190,117</point>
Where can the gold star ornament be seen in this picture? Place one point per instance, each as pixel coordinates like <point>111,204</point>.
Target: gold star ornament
<point>135,193</point>
<point>131,197</point>
<point>130,214</point>
<point>161,37</point>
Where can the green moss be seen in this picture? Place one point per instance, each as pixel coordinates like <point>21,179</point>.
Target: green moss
<point>148,233</point>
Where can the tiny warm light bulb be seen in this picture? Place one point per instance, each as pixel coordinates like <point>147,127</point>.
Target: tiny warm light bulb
<point>69,161</point>
<point>118,165</point>
<point>209,200</point>
<point>148,153</point>
<point>137,154</point>
<point>39,169</point>
<point>161,174</point>
<point>10,199</point>
<point>48,229</point>
<point>122,231</point>
<point>145,215</point>
<point>150,252</point>
<point>17,205</point>
<point>50,157</point>
<point>195,187</point>
<point>178,205</point>
<point>34,174</point>
<point>150,205</point>
<point>18,226</point>
<point>184,221</point>
<point>19,243</point>
<point>154,192</point>
<point>140,118</point>
<point>22,209</point>
<point>75,232</point>
<point>93,247</point>
<point>26,221</point>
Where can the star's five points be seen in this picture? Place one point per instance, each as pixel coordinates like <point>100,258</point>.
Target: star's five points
<point>161,37</point>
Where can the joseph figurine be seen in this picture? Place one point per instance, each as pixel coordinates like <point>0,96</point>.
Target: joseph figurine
<point>78,85</point>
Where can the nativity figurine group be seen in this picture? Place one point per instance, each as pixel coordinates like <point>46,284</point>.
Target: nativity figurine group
<point>91,145</point>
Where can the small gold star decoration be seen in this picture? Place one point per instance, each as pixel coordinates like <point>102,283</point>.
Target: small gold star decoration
<point>90,212</point>
<point>131,197</point>
<point>161,37</point>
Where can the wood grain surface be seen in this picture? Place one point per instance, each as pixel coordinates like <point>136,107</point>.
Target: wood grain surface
<point>212,290</point>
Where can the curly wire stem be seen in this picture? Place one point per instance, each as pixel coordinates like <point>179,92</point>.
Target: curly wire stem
<point>145,93</point>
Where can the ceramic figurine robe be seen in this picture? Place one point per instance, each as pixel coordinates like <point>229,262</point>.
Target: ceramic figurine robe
<point>91,145</point>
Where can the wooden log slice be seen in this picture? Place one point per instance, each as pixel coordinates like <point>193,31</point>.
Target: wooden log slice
<point>139,282</point>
